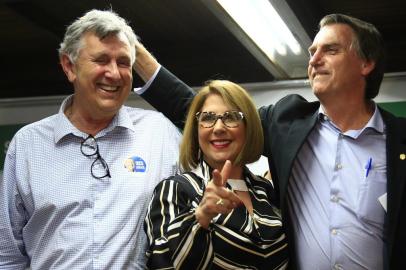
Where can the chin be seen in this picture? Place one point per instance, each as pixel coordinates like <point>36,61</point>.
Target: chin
<point>317,90</point>
<point>215,163</point>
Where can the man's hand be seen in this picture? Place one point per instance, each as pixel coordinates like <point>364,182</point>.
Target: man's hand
<point>145,64</point>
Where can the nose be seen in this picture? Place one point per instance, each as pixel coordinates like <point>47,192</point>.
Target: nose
<point>219,126</point>
<point>113,71</point>
<point>315,59</point>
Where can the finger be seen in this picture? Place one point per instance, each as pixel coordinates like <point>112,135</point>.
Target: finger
<point>233,198</point>
<point>217,178</point>
<point>223,206</point>
<point>227,207</point>
<point>225,172</point>
<point>203,217</point>
<point>228,199</point>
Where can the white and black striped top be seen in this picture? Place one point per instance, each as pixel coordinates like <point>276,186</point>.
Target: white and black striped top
<point>237,240</point>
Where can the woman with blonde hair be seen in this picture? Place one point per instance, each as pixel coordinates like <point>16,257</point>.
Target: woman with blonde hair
<point>217,214</point>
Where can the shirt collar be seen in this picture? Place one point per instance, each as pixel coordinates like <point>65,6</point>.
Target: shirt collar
<point>203,170</point>
<point>64,127</point>
<point>375,122</point>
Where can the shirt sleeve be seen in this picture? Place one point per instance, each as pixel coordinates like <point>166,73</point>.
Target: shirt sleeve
<point>12,217</point>
<point>176,240</point>
<point>141,90</point>
<point>169,95</point>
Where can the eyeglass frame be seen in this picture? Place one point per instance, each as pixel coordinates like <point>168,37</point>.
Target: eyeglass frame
<point>220,116</point>
<point>98,158</point>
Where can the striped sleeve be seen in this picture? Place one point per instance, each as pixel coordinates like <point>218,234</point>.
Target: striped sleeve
<point>176,240</point>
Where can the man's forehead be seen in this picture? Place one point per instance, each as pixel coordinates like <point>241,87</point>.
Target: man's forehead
<point>92,42</point>
<point>110,37</point>
<point>333,34</point>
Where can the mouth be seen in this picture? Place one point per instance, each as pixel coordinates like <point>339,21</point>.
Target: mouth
<point>319,73</point>
<point>108,88</point>
<point>220,144</point>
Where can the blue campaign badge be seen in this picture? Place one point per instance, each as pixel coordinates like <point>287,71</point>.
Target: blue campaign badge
<point>135,164</point>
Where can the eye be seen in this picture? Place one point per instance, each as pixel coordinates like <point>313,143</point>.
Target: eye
<point>208,117</point>
<point>229,116</point>
<point>331,50</point>
<point>232,116</point>
<point>101,60</point>
<point>125,62</point>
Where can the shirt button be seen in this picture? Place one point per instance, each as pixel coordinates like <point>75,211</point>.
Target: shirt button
<point>338,267</point>
<point>339,166</point>
<point>334,198</point>
<point>334,232</point>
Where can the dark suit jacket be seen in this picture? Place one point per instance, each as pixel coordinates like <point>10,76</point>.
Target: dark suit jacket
<point>286,126</point>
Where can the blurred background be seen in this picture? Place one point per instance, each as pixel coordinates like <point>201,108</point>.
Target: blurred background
<point>193,38</point>
<point>197,40</point>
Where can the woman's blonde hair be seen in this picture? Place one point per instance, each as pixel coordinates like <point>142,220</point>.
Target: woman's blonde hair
<point>235,97</point>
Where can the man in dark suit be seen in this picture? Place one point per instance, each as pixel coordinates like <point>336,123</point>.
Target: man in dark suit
<point>338,163</point>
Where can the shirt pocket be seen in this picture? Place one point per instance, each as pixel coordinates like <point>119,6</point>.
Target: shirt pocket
<point>370,209</point>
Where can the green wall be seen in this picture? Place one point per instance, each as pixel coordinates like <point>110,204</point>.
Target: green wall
<point>397,108</point>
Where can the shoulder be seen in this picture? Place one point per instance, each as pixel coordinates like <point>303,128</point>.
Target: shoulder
<point>264,188</point>
<point>259,180</point>
<point>43,128</point>
<point>33,135</point>
<point>290,106</point>
<point>187,183</point>
<point>138,113</point>
<point>186,179</point>
<point>294,105</point>
<point>146,118</point>
<point>394,124</point>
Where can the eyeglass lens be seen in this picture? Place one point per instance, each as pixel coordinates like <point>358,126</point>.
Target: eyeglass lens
<point>230,119</point>
<point>99,168</point>
<point>89,146</point>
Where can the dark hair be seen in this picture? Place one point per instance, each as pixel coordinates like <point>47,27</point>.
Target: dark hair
<point>369,46</point>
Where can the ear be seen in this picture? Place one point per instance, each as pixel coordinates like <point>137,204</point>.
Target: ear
<point>68,67</point>
<point>367,67</point>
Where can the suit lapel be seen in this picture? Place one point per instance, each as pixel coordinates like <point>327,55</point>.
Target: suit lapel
<point>298,132</point>
<point>396,174</point>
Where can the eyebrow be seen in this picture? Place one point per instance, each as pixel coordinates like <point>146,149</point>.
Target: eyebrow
<point>103,54</point>
<point>312,48</point>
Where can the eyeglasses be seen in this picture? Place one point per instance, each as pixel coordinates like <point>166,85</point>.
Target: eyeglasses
<point>99,168</point>
<point>230,119</point>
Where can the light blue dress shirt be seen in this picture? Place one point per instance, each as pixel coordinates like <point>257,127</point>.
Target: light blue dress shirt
<point>333,197</point>
<point>55,215</point>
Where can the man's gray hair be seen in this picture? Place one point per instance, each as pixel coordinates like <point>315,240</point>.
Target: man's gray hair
<point>102,23</point>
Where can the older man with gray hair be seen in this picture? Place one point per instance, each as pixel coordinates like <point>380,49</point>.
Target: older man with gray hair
<point>67,200</point>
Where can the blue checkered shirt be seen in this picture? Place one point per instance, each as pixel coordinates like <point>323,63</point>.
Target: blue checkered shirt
<point>55,215</point>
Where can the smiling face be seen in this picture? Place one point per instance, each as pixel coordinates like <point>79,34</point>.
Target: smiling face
<point>101,75</point>
<point>335,68</point>
<point>220,143</point>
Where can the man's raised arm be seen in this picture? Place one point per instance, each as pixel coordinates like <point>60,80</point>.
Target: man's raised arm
<point>166,92</point>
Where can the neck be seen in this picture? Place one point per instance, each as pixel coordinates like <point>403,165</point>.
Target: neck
<point>349,115</point>
<point>86,122</point>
